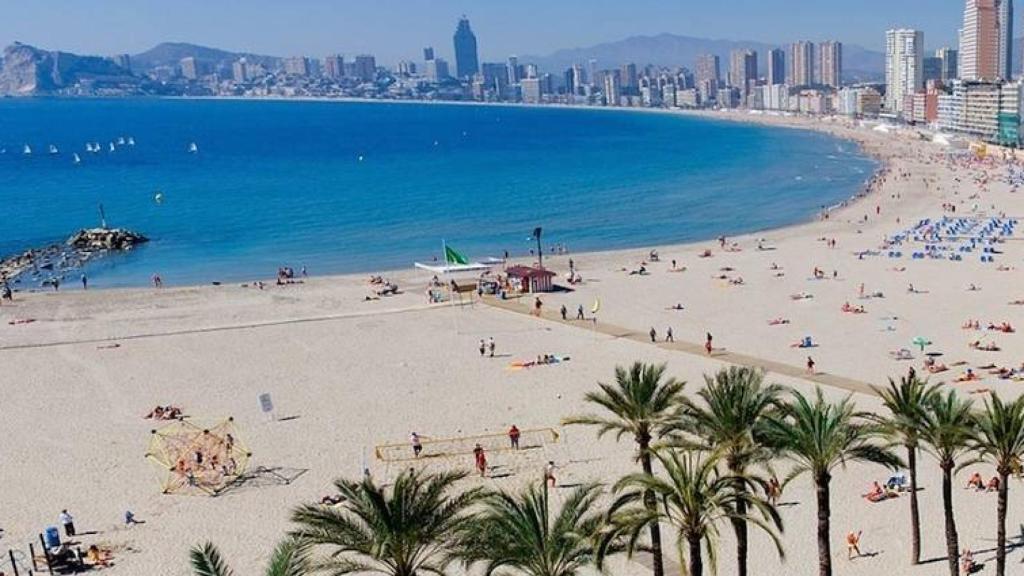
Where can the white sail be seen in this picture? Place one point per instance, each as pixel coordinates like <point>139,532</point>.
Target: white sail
<point>192,148</point>
<point>26,150</point>
<point>77,158</point>
<point>53,149</point>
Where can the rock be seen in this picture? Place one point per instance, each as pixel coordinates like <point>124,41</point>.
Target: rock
<point>96,239</point>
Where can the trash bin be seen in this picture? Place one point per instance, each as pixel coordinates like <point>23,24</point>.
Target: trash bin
<point>52,537</point>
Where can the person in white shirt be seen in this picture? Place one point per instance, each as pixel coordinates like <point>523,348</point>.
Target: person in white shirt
<point>68,522</point>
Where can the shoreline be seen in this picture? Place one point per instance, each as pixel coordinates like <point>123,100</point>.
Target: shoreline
<point>789,122</point>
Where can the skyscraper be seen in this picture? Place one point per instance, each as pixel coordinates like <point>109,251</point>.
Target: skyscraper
<point>513,70</point>
<point>950,63</point>
<point>904,67</point>
<point>1004,15</point>
<point>612,88</point>
<point>801,64</point>
<point>466,62</point>
<point>742,70</point>
<point>189,68</point>
<point>707,73</point>
<point>428,53</point>
<point>334,66</point>
<point>979,41</point>
<point>629,80</point>
<point>776,62</point>
<point>365,68</point>
<point>830,64</point>
<point>931,69</point>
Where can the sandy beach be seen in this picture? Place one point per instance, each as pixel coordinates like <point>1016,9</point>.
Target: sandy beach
<point>80,370</point>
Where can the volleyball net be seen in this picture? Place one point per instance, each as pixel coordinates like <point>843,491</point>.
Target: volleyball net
<point>456,446</point>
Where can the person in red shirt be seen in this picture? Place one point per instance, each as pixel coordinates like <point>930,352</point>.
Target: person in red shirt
<point>481,460</point>
<point>513,437</point>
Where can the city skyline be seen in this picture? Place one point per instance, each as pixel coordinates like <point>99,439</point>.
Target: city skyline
<point>396,31</point>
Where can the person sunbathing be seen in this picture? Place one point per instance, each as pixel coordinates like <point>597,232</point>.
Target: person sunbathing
<point>975,482</point>
<point>98,557</point>
<point>936,368</point>
<point>968,325</point>
<point>778,321</point>
<point>705,254</point>
<point>878,494</point>
<point>332,500</point>
<point>967,565</point>
<point>800,296</point>
<point>993,485</point>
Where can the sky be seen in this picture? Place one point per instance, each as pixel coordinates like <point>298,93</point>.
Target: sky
<point>394,30</point>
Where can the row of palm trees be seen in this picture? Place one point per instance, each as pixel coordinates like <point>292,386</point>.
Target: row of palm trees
<point>716,455</point>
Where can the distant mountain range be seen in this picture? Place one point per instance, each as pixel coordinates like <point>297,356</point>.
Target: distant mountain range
<point>171,53</point>
<point>859,64</point>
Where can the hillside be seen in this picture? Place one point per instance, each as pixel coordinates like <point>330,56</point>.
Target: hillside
<point>27,70</point>
<point>171,53</point>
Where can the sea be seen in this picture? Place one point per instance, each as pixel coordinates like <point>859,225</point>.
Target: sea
<point>344,187</point>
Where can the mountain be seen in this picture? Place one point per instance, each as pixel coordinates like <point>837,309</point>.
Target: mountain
<point>26,71</point>
<point>859,64</point>
<point>171,53</point>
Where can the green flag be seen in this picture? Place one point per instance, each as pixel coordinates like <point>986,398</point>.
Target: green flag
<point>452,256</point>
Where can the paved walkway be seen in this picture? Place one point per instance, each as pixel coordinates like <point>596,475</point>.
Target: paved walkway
<point>520,306</point>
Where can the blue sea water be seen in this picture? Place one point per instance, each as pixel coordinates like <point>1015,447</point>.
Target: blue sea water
<point>281,183</point>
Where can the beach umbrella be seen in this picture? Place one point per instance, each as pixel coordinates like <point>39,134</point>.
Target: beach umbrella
<point>920,342</point>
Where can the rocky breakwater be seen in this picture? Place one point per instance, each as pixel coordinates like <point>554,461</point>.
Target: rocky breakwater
<point>52,264</point>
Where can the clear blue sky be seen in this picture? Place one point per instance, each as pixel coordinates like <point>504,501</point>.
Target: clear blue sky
<point>397,29</point>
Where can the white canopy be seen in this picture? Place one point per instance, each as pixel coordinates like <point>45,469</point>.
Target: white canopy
<point>454,268</point>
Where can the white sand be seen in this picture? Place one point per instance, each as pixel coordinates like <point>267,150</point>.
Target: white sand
<point>355,374</point>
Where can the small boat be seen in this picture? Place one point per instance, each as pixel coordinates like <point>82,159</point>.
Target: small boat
<point>131,141</point>
<point>120,141</point>
<point>26,150</point>
<point>53,149</point>
<point>76,158</point>
<point>112,147</point>
<point>192,148</point>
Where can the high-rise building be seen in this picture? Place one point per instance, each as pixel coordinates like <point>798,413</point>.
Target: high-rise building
<point>466,62</point>
<point>437,70</point>
<point>124,61</point>
<point>742,69</point>
<point>189,68</point>
<point>592,71</point>
<point>365,68</point>
<point>707,75</point>
<point>629,79</point>
<point>904,67</point>
<point>950,64</point>
<point>406,68</point>
<point>979,41</point>
<point>801,64</point>
<point>612,88</point>
<point>495,76</point>
<point>428,53</point>
<point>334,66</point>
<point>931,69</point>
<point>531,88</point>
<point>830,64</point>
<point>776,62</point>
<point>1004,15</point>
<point>579,79</point>
<point>296,66</point>
<point>513,70</point>
<point>239,71</point>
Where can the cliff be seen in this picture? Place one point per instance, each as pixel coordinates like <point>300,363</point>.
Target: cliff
<point>28,71</point>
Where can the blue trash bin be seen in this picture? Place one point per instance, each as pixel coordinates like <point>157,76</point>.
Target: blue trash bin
<point>52,537</point>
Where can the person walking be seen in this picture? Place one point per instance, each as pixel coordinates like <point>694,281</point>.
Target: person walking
<point>483,348</point>
<point>85,282</point>
<point>537,305</point>
<point>513,437</point>
<point>810,365</point>
<point>579,313</point>
<point>480,459</point>
<point>654,334</point>
<point>491,346</point>
<point>67,522</point>
<point>417,444</point>
<point>853,545</point>
<point>669,337</point>
<point>549,473</point>
<point>565,312</point>
<point>707,344</point>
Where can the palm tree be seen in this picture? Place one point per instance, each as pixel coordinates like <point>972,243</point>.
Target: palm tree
<point>695,498</point>
<point>908,403</point>
<point>520,532</point>
<point>735,404</point>
<point>288,560</point>
<point>819,436</point>
<point>642,405</point>
<point>1000,439</point>
<point>407,528</point>
<point>946,433</point>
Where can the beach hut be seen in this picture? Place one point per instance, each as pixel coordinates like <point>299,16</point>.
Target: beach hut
<point>530,279</point>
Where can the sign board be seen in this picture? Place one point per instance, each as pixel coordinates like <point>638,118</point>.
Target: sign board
<point>266,404</point>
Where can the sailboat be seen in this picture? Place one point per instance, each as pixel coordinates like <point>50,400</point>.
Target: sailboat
<point>53,149</point>
<point>112,147</point>
<point>76,158</point>
<point>192,148</point>
<point>26,150</point>
<point>131,141</point>
<point>120,141</point>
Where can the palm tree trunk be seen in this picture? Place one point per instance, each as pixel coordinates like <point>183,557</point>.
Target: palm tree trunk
<point>821,484</point>
<point>915,513</point>
<point>696,562</point>
<point>952,539</point>
<point>1004,490</point>
<point>651,503</point>
<point>740,527</point>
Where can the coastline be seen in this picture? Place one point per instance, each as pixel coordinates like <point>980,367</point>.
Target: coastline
<point>787,122</point>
